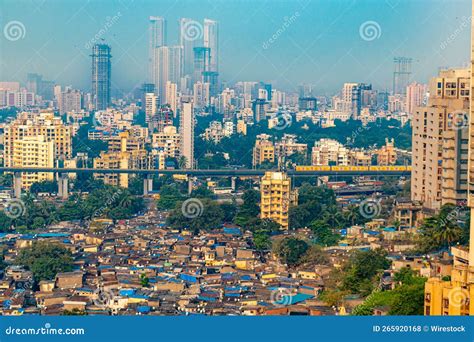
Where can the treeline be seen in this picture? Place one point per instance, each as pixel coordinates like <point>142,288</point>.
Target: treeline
<point>351,132</point>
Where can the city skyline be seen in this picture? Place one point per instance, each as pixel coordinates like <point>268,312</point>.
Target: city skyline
<point>326,52</point>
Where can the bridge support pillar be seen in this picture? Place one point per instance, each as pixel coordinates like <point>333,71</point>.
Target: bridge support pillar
<point>17,184</point>
<point>63,186</point>
<point>147,184</point>
<point>190,184</point>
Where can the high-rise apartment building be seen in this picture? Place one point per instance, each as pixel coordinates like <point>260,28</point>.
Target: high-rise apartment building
<point>276,198</point>
<point>171,95</point>
<point>454,297</point>
<point>187,134</point>
<point>434,142</point>
<point>415,96</point>
<point>264,150</point>
<point>211,41</point>
<point>101,73</point>
<point>157,36</point>
<point>202,61</point>
<point>168,142</point>
<point>168,68</point>
<point>70,100</point>
<point>33,151</point>
<point>401,74</point>
<point>352,97</point>
<point>151,106</point>
<point>32,125</point>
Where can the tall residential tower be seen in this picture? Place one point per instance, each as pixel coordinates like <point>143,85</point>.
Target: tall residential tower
<point>101,73</point>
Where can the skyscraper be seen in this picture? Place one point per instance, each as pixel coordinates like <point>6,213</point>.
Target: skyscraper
<point>168,67</point>
<point>415,95</point>
<point>211,41</point>
<point>187,134</point>
<point>276,198</point>
<point>190,36</point>
<point>101,72</point>
<point>202,60</point>
<point>439,147</point>
<point>401,74</point>
<point>157,36</point>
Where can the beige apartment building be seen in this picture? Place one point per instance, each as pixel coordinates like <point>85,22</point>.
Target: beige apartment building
<point>264,150</point>
<point>387,155</point>
<point>169,141</point>
<point>276,198</point>
<point>33,152</point>
<point>33,125</point>
<point>438,141</point>
<point>124,152</point>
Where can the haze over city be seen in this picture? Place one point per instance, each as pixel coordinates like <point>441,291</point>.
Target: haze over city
<point>322,46</point>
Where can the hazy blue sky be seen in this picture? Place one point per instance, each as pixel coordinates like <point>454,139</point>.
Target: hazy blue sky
<point>322,45</point>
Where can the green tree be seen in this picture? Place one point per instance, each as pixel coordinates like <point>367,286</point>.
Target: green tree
<point>249,209</point>
<point>363,269</point>
<point>325,236</point>
<point>169,197</point>
<point>196,215</point>
<point>290,250</point>
<point>45,259</point>
<point>144,280</point>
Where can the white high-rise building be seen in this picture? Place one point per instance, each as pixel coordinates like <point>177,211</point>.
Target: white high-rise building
<point>172,96</point>
<point>211,40</point>
<point>416,93</point>
<point>168,67</point>
<point>187,134</point>
<point>151,105</point>
<point>201,95</point>
<point>156,38</point>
